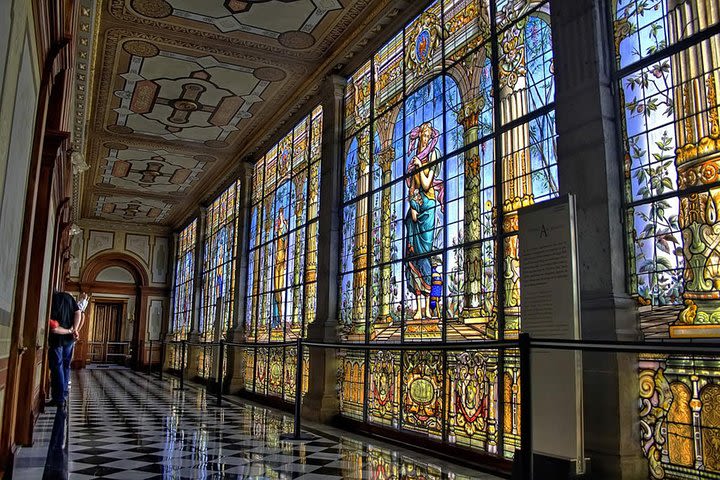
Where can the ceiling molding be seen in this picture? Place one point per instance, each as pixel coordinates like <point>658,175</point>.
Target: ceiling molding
<point>173,89</point>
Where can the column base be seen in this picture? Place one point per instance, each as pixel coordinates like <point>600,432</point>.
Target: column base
<point>321,402</point>
<point>166,360</point>
<point>236,365</point>
<point>191,368</point>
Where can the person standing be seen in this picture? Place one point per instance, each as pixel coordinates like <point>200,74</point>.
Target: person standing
<point>68,314</point>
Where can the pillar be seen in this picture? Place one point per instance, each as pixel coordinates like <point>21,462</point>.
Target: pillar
<point>191,369</point>
<point>171,351</point>
<point>321,399</point>
<point>589,166</point>
<point>236,356</point>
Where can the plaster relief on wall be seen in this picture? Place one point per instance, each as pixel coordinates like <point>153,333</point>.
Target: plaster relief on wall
<point>76,249</point>
<point>99,241</point>
<point>155,315</point>
<point>160,260</point>
<point>139,245</point>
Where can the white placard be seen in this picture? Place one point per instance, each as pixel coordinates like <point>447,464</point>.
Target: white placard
<point>550,308</point>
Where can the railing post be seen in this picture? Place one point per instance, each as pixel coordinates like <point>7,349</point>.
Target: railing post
<point>297,434</point>
<point>220,373</point>
<point>526,430</point>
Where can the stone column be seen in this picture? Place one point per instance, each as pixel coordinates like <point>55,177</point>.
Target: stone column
<point>235,355</point>
<point>170,350</point>
<point>589,165</point>
<point>191,369</point>
<point>321,400</point>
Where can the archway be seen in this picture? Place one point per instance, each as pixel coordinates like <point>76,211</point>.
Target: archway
<point>117,281</point>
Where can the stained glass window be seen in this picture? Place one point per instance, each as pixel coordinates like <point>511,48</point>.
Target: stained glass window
<point>218,276</point>
<point>282,265</point>
<point>449,130</point>
<point>183,288</point>
<point>668,73</point>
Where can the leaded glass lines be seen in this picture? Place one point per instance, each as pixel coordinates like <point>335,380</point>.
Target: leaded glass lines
<point>282,265</point>
<point>449,130</point>
<point>218,275</point>
<point>668,72</point>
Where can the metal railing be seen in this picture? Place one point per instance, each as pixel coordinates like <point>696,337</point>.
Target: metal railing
<point>525,345</point>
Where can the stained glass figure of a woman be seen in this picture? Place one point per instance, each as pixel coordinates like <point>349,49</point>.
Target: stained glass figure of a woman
<point>425,191</point>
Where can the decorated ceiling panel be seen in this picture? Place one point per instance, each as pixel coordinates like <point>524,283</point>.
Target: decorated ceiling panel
<point>182,89</point>
<point>131,209</point>
<point>146,170</point>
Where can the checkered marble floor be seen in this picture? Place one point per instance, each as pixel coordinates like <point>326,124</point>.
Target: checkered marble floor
<point>127,425</point>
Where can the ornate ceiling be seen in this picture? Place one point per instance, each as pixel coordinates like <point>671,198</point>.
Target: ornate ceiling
<point>180,90</point>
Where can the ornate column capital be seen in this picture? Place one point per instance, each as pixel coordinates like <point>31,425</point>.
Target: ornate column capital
<point>385,158</point>
<point>469,114</point>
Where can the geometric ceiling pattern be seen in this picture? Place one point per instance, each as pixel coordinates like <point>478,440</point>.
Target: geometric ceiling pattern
<point>182,91</point>
<point>150,170</point>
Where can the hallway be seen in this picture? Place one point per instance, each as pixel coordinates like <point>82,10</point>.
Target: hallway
<point>126,425</point>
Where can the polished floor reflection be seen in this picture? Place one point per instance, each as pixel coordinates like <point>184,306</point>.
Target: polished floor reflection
<point>125,425</point>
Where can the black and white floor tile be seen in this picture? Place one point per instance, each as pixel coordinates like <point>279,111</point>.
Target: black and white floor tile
<point>130,426</point>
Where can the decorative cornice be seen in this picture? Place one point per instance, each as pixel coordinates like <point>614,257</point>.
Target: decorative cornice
<point>94,224</point>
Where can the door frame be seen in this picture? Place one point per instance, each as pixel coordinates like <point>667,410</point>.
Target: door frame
<point>94,301</point>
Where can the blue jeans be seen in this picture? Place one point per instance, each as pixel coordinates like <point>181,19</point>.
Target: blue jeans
<point>59,358</point>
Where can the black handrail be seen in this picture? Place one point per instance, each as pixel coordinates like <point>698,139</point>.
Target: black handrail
<point>525,345</point>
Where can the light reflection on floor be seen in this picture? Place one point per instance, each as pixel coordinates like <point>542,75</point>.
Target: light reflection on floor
<point>127,425</point>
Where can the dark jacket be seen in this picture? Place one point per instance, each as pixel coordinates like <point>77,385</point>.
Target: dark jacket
<point>63,310</point>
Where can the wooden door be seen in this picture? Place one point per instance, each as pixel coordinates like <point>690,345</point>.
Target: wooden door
<point>106,326</point>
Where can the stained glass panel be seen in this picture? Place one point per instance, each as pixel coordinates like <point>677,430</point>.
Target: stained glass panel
<point>471,399</point>
<point>352,384</point>
<point>184,276</point>
<point>669,105</point>
<point>433,181</point>
<point>422,395</point>
<point>183,291</point>
<point>218,274</point>
<point>282,275</point>
<point>467,24</point>
<point>384,388</point>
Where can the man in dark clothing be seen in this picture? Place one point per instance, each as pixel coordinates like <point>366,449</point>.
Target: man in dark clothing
<point>66,312</point>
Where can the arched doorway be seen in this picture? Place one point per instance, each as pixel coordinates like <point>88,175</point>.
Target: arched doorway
<point>114,328</point>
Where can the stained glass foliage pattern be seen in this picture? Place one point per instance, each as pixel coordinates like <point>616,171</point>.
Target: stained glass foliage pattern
<point>218,275</point>
<point>449,130</point>
<point>183,289</point>
<point>282,264</point>
<point>668,73</point>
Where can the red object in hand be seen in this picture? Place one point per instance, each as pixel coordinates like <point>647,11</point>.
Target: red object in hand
<point>54,324</point>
